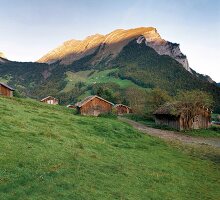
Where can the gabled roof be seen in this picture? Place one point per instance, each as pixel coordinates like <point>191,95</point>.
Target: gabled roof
<point>116,105</point>
<point>173,109</point>
<point>70,105</point>
<point>48,98</point>
<point>5,85</point>
<point>89,98</point>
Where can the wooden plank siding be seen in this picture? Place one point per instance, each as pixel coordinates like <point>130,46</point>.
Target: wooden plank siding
<point>50,100</point>
<point>122,109</point>
<point>5,91</point>
<point>201,120</point>
<point>95,107</point>
<point>168,121</point>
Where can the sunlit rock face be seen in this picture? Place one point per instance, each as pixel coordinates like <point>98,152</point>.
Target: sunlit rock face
<point>2,57</point>
<point>107,47</point>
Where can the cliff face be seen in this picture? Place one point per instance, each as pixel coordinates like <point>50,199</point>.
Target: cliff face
<point>107,47</point>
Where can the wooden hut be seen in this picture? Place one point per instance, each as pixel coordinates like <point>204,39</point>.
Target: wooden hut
<point>122,109</point>
<point>71,106</point>
<point>94,105</point>
<point>50,100</point>
<point>6,90</point>
<point>172,115</point>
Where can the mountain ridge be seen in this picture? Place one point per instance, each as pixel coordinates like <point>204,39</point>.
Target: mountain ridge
<point>3,59</point>
<point>136,64</point>
<point>111,44</point>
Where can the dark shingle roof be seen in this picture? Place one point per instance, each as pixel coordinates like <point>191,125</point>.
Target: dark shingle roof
<point>5,85</point>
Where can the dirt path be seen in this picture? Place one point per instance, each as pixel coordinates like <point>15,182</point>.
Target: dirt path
<point>172,135</point>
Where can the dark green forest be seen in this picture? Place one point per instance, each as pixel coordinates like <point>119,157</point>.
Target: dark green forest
<point>137,62</point>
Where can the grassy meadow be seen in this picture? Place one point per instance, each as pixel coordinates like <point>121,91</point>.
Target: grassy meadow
<point>48,152</point>
<point>90,77</point>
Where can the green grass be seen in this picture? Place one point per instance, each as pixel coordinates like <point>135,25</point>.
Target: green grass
<point>212,131</point>
<point>47,152</point>
<point>90,77</point>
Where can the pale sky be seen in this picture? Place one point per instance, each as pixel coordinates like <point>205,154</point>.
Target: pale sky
<point>31,28</point>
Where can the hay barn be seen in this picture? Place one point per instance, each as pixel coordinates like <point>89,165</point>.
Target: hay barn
<point>171,115</point>
<point>94,105</point>
<point>6,90</point>
<point>50,100</point>
<point>122,109</point>
<point>71,106</point>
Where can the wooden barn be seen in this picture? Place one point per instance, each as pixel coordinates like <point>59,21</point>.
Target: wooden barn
<point>6,90</point>
<point>50,100</point>
<point>71,106</point>
<point>94,105</point>
<point>122,109</point>
<point>173,116</point>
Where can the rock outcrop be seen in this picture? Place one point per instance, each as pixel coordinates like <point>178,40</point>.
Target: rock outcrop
<point>107,47</point>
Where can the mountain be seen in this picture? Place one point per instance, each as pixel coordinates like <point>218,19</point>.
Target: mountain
<point>2,58</point>
<point>108,47</point>
<point>109,64</point>
<point>218,84</point>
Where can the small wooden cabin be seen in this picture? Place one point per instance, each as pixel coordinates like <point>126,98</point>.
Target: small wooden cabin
<point>122,109</point>
<point>94,105</point>
<point>50,100</point>
<point>6,90</point>
<point>171,115</point>
<point>71,106</point>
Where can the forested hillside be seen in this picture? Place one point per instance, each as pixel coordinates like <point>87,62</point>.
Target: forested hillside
<point>137,65</point>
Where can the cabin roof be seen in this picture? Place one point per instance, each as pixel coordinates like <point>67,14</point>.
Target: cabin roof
<point>48,98</point>
<point>70,105</point>
<point>5,85</point>
<point>116,105</point>
<point>173,109</point>
<point>89,98</point>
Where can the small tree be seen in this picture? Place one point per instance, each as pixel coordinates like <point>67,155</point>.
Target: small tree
<point>156,98</point>
<point>137,99</point>
<point>191,102</point>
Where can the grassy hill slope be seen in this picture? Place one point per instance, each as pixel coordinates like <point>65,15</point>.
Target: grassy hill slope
<point>47,152</point>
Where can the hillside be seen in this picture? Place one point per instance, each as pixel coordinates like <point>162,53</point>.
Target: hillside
<point>115,62</point>
<point>47,152</point>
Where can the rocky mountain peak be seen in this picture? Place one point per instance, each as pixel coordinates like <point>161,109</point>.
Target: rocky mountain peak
<point>110,45</point>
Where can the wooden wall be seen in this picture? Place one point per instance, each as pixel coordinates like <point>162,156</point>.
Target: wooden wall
<point>202,120</point>
<point>5,91</point>
<point>171,122</point>
<point>120,110</point>
<point>51,101</point>
<point>95,107</point>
